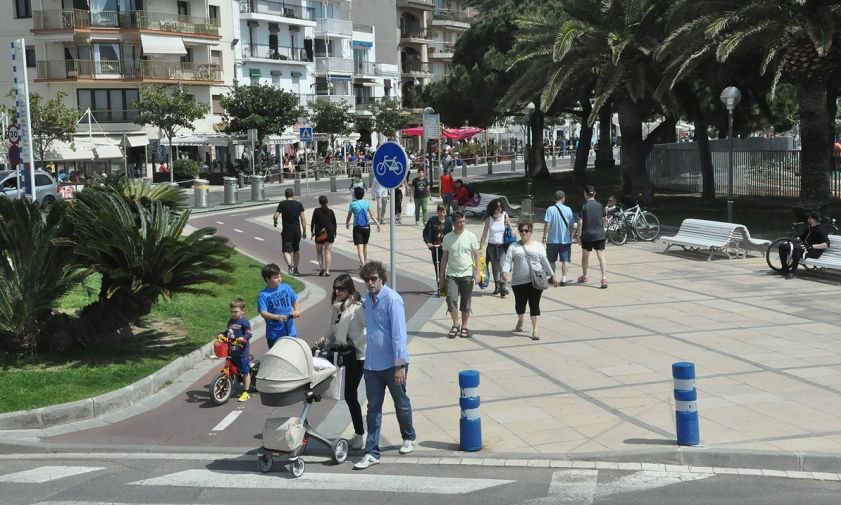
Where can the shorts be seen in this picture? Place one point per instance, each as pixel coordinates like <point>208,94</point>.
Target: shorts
<point>589,245</point>
<point>290,241</point>
<point>242,362</point>
<point>559,252</point>
<point>361,235</point>
<point>459,293</point>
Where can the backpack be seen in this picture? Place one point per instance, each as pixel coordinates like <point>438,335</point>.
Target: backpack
<point>361,219</point>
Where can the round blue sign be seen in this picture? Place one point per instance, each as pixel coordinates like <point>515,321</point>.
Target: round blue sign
<point>391,164</point>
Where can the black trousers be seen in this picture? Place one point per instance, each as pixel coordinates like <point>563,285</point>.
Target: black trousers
<point>353,376</point>
<point>526,293</point>
<point>796,252</point>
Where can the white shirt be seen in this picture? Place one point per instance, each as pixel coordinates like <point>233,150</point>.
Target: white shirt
<point>515,262</point>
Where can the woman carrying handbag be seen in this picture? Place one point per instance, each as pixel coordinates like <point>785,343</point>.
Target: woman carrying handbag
<point>323,231</point>
<point>497,235</point>
<point>528,270</point>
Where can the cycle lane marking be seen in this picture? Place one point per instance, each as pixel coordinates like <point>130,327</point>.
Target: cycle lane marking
<point>227,420</point>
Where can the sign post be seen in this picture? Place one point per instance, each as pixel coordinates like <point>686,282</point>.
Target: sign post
<point>305,135</point>
<point>391,165</point>
<point>431,130</point>
<point>20,82</point>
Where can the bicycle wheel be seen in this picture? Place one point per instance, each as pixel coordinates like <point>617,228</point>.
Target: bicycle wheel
<point>647,226</point>
<point>616,231</point>
<point>772,254</point>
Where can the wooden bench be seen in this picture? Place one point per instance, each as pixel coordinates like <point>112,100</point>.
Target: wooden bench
<point>481,208</point>
<point>729,239</point>
<point>830,259</point>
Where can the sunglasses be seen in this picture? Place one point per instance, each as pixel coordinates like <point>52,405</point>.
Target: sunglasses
<point>524,230</point>
<point>373,278</point>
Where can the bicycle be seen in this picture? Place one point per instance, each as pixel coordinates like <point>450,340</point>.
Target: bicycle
<point>391,165</point>
<point>772,254</point>
<point>639,223</point>
<point>222,385</point>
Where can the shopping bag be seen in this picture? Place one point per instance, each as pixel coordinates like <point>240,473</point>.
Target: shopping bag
<point>409,209</point>
<point>336,389</point>
<point>484,277</point>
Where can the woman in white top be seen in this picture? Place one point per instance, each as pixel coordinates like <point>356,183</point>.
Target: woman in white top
<point>515,268</point>
<point>380,196</point>
<point>347,336</point>
<point>493,235</point>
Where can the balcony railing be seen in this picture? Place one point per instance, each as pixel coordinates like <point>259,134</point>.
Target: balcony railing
<point>414,34</point>
<point>284,9</point>
<point>109,69</point>
<point>366,68</point>
<point>274,53</point>
<point>359,27</point>
<point>349,99</point>
<point>362,102</point>
<point>332,64</point>
<point>114,115</point>
<point>72,19</point>
<point>415,67</point>
<point>325,26</point>
<point>450,15</point>
<point>416,4</point>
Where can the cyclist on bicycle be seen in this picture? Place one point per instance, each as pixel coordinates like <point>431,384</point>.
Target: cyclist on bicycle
<point>811,244</point>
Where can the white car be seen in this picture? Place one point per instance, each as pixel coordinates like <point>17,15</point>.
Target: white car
<point>46,188</point>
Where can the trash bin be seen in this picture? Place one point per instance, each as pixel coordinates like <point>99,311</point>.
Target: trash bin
<point>332,183</point>
<point>258,188</point>
<point>230,184</point>
<point>200,187</point>
<point>527,207</point>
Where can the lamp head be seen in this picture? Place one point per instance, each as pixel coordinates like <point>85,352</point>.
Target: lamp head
<point>428,110</point>
<point>730,97</point>
<point>234,42</point>
<point>529,109</point>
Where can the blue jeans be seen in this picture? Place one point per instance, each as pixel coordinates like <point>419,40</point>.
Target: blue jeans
<point>376,383</point>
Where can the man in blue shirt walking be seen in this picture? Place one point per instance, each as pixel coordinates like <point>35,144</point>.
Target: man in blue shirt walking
<point>386,362</point>
<point>557,234</point>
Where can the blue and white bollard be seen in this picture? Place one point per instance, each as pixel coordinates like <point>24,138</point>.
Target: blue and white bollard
<point>686,404</point>
<point>470,424</point>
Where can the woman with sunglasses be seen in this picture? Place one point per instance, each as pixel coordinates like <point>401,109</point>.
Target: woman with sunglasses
<point>347,336</point>
<point>494,236</point>
<point>522,257</point>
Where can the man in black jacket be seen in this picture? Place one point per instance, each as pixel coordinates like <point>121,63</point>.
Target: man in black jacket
<point>812,244</point>
<point>433,234</point>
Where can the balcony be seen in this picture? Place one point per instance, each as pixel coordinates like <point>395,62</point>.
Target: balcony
<point>364,68</point>
<point>290,10</point>
<point>362,102</point>
<point>442,52</point>
<point>349,99</point>
<point>329,65</point>
<point>416,69</point>
<point>424,5</point>
<point>77,19</point>
<point>414,37</point>
<point>452,19</point>
<point>333,27</point>
<point>279,53</point>
<point>141,70</point>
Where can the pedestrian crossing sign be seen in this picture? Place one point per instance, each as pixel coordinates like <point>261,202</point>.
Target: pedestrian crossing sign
<point>305,134</point>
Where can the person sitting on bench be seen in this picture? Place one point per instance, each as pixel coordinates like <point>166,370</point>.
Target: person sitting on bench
<point>813,242</point>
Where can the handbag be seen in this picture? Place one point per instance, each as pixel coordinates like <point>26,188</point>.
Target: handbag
<point>539,280</point>
<point>321,236</point>
<point>409,208</point>
<point>508,236</point>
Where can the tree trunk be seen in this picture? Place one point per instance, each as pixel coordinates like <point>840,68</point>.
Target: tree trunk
<point>816,142</point>
<point>663,134</point>
<point>635,177</point>
<point>585,139</point>
<point>706,156</point>
<point>536,153</point>
<point>604,149</point>
<point>171,166</point>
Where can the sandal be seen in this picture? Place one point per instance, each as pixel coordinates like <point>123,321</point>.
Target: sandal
<point>604,283</point>
<point>535,335</point>
<point>464,333</point>
<point>518,328</point>
<point>453,332</point>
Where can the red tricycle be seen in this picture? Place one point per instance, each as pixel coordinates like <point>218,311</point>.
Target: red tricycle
<point>222,385</point>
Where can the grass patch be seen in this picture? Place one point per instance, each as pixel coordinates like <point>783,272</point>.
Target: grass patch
<point>172,329</point>
<point>765,217</point>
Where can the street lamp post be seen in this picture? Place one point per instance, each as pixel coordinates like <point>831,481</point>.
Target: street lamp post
<point>730,97</point>
<point>528,110</point>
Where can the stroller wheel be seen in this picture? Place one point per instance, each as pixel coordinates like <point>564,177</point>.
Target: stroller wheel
<point>297,467</point>
<point>340,451</point>
<point>265,461</point>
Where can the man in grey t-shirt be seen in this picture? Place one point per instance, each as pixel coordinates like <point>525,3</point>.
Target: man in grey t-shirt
<point>591,234</point>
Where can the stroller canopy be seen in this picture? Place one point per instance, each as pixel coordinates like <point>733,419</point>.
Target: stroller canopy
<point>287,366</point>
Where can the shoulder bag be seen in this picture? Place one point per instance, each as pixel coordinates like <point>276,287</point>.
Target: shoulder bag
<point>508,237</point>
<point>539,280</point>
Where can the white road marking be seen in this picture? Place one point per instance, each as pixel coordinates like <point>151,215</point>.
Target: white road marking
<point>47,473</point>
<point>99,503</point>
<point>261,239</point>
<point>235,215</point>
<point>314,262</point>
<point>219,222</point>
<point>237,230</point>
<point>335,482</point>
<point>574,486</point>
<point>643,481</point>
<point>227,420</point>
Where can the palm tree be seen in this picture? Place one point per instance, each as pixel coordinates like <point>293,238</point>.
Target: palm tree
<point>142,254</point>
<point>612,40</point>
<point>796,41</point>
<point>34,272</point>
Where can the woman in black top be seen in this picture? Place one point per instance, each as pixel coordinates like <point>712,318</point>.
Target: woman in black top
<point>323,231</point>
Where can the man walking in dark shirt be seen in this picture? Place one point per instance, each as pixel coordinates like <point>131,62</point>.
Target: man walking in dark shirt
<point>294,228</point>
<point>813,242</point>
<point>591,235</point>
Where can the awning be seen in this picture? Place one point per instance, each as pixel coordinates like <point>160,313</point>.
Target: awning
<point>362,43</point>
<point>254,72</point>
<point>210,139</point>
<point>340,78</point>
<point>62,151</point>
<point>107,152</point>
<point>448,133</point>
<point>137,140</point>
<point>161,44</point>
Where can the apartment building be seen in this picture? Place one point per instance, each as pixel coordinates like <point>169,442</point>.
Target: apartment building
<point>99,53</point>
<point>447,22</point>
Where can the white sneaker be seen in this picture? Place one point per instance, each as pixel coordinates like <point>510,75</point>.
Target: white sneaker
<point>407,447</point>
<point>366,461</point>
<point>357,442</point>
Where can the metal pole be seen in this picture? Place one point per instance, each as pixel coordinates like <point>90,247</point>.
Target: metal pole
<point>730,168</point>
<point>307,165</point>
<point>392,274</point>
<point>527,157</point>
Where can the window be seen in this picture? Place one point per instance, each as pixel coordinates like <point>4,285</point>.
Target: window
<point>190,98</point>
<point>216,58</point>
<point>30,56</point>
<point>217,104</point>
<point>23,9</point>
<point>106,58</point>
<point>183,8</point>
<point>109,105</point>
<point>187,58</point>
<point>213,12</point>
<point>42,180</point>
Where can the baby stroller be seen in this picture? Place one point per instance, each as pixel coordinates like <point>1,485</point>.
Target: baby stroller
<point>287,376</point>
